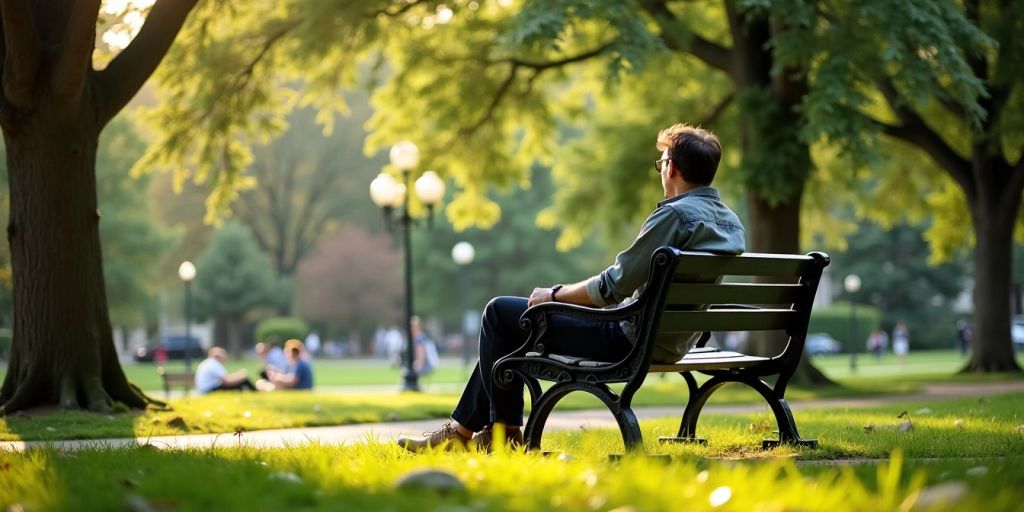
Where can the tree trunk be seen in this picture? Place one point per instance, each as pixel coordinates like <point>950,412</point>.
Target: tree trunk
<point>994,212</point>
<point>234,335</point>
<point>63,349</point>
<point>776,229</point>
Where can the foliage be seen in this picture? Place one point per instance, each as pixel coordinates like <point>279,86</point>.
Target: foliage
<point>233,276</point>
<point>132,239</point>
<point>899,281</point>
<point>307,185</point>
<point>849,325</point>
<point>281,329</point>
<point>350,282</point>
<point>510,258</point>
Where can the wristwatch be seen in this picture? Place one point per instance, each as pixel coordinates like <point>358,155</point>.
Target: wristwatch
<point>554,290</point>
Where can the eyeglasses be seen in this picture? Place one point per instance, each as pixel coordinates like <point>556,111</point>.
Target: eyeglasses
<point>660,164</point>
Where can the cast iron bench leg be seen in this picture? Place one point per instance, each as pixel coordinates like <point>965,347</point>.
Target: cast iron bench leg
<point>628,424</point>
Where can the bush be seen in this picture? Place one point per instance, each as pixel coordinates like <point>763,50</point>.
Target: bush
<point>281,328</point>
<point>836,321</point>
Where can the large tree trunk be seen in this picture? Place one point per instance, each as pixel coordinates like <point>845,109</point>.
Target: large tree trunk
<point>994,213</point>
<point>774,222</point>
<point>63,350</point>
<point>775,228</point>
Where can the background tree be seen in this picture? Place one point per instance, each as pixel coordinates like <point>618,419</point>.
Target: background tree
<point>133,241</point>
<point>54,105</point>
<point>306,184</point>
<point>351,282</point>
<point>899,282</point>
<point>980,153</point>
<point>233,278</point>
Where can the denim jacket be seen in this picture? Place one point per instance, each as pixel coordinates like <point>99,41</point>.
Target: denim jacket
<point>694,221</point>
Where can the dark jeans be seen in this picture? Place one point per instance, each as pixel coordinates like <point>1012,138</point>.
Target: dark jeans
<point>482,403</point>
<point>238,386</point>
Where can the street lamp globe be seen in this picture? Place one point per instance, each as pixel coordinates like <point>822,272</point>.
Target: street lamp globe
<point>852,283</point>
<point>463,253</point>
<point>383,190</point>
<point>187,271</point>
<point>404,155</point>
<point>430,188</point>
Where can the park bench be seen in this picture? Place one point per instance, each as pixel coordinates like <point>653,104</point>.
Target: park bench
<point>184,379</point>
<point>687,292</point>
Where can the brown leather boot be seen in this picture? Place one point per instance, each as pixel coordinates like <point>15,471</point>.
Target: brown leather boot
<point>484,440</point>
<point>446,438</point>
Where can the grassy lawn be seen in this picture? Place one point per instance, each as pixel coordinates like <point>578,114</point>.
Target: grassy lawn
<point>940,464</point>
<point>255,411</point>
<point>228,412</point>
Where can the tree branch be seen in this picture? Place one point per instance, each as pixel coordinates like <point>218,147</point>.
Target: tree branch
<point>22,53</point>
<point>914,130</point>
<point>711,53</point>
<point>710,117</point>
<point>124,76</point>
<point>75,57</point>
<point>542,65</point>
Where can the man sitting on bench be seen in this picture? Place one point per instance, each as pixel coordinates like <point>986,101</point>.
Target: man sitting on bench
<point>212,376</point>
<point>692,217</point>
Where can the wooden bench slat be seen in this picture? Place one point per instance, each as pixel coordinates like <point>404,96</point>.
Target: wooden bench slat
<point>727,320</point>
<point>732,293</point>
<point>747,264</point>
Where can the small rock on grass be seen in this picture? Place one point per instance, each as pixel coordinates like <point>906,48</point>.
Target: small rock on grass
<point>439,481</point>
<point>945,494</point>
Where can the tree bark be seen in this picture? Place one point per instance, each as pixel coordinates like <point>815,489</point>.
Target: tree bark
<point>994,211</point>
<point>63,349</point>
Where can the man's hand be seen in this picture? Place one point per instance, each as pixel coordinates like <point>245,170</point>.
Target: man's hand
<point>539,296</point>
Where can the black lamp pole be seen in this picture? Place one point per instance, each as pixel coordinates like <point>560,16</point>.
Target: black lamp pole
<point>411,379</point>
<point>188,326</point>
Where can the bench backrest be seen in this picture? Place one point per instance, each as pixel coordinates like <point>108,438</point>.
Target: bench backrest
<point>692,292</point>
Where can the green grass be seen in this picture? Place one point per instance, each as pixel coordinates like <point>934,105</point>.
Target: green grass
<point>256,411</point>
<point>228,412</point>
<point>365,477</point>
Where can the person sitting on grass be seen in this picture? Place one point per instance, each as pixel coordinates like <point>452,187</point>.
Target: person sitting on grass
<point>692,217</point>
<point>272,356</point>
<point>299,374</point>
<point>212,376</point>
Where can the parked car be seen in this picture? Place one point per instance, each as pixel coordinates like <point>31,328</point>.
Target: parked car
<point>175,345</point>
<point>822,344</point>
<point>1017,332</point>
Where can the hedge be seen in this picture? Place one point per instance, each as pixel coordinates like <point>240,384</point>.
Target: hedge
<point>281,328</point>
<point>837,319</point>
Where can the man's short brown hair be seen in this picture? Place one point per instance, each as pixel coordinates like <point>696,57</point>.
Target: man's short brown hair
<point>694,151</point>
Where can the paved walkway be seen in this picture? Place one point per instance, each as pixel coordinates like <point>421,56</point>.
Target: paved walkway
<point>347,434</point>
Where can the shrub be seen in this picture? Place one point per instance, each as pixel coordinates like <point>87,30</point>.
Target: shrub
<point>836,321</point>
<point>281,328</point>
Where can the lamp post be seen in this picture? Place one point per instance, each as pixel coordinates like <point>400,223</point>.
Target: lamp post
<point>388,194</point>
<point>852,285</point>
<point>187,272</point>
<point>463,254</point>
